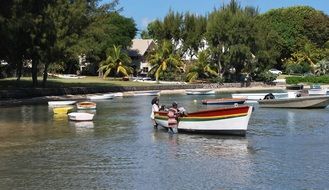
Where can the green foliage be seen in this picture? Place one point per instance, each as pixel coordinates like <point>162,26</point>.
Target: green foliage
<point>163,59</point>
<point>267,77</point>
<point>308,79</point>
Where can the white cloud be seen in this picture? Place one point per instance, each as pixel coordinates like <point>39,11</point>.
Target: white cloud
<point>146,21</point>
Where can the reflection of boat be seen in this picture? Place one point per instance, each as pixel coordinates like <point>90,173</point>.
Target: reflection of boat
<point>62,110</point>
<point>101,97</point>
<point>86,105</point>
<point>147,93</point>
<point>300,102</point>
<point>259,96</point>
<point>76,116</point>
<point>224,101</point>
<point>83,124</point>
<point>317,90</point>
<point>60,103</point>
<point>199,91</point>
<point>232,120</point>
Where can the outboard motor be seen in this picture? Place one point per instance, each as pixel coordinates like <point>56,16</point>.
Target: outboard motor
<point>269,96</point>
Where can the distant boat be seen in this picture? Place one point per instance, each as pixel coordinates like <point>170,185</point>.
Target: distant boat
<point>62,110</point>
<point>300,102</point>
<point>101,97</point>
<point>224,101</point>
<point>60,103</point>
<point>77,116</point>
<point>232,121</point>
<point>86,105</point>
<point>199,92</point>
<point>68,76</point>
<point>147,93</point>
<point>260,96</point>
<point>317,90</point>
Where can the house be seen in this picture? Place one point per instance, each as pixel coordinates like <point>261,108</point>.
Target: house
<point>138,53</point>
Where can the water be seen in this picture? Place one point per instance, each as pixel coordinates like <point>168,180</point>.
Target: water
<point>283,149</point>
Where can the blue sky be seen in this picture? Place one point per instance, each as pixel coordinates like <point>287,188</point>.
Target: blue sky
<point>145,11</point>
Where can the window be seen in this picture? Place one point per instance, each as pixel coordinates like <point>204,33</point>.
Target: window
<point>145,69</point>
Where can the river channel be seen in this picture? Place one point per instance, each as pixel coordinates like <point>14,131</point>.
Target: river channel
<point>283,149</point>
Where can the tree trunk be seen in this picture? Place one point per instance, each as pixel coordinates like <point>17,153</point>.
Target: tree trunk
<point>19,64</point>
<point>35,62</point>
<point>45,75</point>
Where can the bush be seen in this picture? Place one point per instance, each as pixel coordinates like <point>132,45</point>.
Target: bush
<point>266,77</point>
<point>308,79</point>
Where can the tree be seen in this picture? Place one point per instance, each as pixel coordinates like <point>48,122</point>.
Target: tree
<point>117,61</point>
<point>163,59</point>
<point>322,67</point>
<point>202,68</point>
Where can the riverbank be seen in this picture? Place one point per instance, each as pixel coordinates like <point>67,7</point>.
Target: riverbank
<point>43,95</point>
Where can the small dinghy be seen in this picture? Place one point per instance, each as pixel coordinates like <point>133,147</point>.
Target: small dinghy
<point>77,116</point>
<point>62,110</point>
<point>86,105</point>
<point>199,92</point>
<point>60,103</point>
<point>101,97</point>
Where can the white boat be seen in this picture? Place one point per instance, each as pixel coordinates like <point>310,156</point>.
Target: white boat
<point>231,120</point>
<point>317,90</point>
<point>69,76</point>
<point>300,102</point>
<point>260,96</point>
<point>147,93</point>
<point>101,97</point>
<point>199,92</point>
<point>77,116</point>
<point>60,103</point>
<point>86,105</point>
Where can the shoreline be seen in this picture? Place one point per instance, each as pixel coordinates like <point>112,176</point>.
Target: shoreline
<point>82,97</point>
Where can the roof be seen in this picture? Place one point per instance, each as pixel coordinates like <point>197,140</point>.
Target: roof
<point>140,46</point>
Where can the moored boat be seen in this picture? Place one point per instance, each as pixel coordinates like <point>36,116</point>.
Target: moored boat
<point>101,97</point>
<point>60,103</point>
<point>77,116</point>
<point>316,90</point>
<point>259,96</point>
<point>232,121</point>
<point>300,102</point>
<point>199,91</point>
<point>147,93</point>
<point>86,105</point>
<point>224,101</point>
<point>62,110</point>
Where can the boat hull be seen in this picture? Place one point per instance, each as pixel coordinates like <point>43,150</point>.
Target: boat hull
<point>62,110</point>
<point>147,93</point>
<point>60,103</point>
<point>224,101</point>
<point>75,116</point>
<point>309,102</point>
<point>233,121</point>
<point>86,105</point>
<point>199,92</point>
<point>101,97</point>
<point>259,96</point>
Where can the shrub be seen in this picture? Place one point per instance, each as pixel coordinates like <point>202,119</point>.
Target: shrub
<point>267,77</point>
<point>308,79</point>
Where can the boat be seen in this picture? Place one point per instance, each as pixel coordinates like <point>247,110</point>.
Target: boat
<point>317,90</point>
<point>86,105</point>
<point>229,120</point>
<point>224,101</point>
<point>260,96</point>
<point>199,92</point>
<point>101,97</point>
<point>62,110</point>
<point>300,102</point>
<point>60,103</point>
<point>295,87</point>
<point>76,116</point>
<point>147,93</point>
<point>68,76</point>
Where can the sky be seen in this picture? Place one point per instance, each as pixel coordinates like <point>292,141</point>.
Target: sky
<point>145,11</point>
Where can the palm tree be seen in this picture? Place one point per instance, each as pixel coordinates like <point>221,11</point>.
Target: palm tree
<point>201,68</point>
<point>162,58</point>
<point>322,67</point>
<point>117,61</point>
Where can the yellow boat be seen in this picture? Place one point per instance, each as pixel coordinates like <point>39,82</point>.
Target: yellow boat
<point>62,110</point>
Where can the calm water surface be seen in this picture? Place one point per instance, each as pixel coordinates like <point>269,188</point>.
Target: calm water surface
<point>283,149</point>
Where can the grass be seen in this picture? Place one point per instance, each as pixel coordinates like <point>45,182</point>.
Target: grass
<point>26,82</point>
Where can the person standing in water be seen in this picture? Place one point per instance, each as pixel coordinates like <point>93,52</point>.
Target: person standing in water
<point>155,108</point>
<point>172,117</point>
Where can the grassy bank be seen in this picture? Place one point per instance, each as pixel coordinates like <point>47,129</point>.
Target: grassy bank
<point>12,83</point>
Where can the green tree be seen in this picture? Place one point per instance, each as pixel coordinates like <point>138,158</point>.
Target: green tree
<point>117,61</point>
<point>202,68</point>
<point>322,67</point>
<point>163,59</point>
